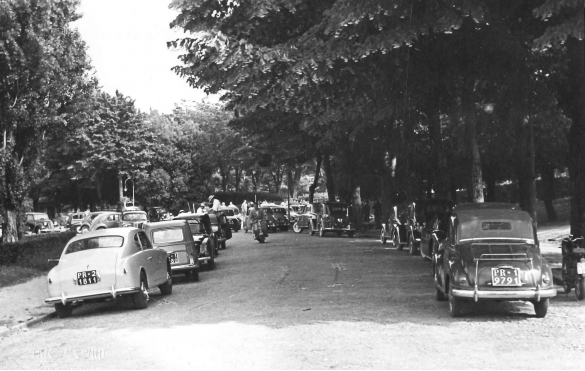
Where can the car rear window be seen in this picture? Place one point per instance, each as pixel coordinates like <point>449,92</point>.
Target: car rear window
<point>166,235</point>
<point>134,216</point>
<point>498,229</point>
<point>95,243</point>
<point>493,226</point>
<point>196,227</point>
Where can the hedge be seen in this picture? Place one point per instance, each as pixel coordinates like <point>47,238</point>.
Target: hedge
<point>34,251</point>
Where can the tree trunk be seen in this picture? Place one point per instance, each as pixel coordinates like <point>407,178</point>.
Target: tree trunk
<point>548,190</point>
<point>329,180</point>
<point>237,177</point>
<point>526,170</point>
<point>313,186</point>
<point>439,179</point>
<point>490,182</point>
<point>470,120</point>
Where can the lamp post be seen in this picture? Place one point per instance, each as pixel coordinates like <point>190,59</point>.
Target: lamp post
<point>125,188</point>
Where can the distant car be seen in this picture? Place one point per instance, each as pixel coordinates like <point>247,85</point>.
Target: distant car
<point>156,213</point>
<point>205,240</point>
<point>233,217</point>
<point>277,217</point>
<point>491,252</point>
<point>109,219</point>
<point>221,228</point>
<point>38,223</point>
<point>74,221</point>
<point>85,225</point>
<point>419,229</point>
<point>174,237</point>
<point>133,218</point>
<point>105,265</point>
<point>295,211</point>
<point>308,219</point>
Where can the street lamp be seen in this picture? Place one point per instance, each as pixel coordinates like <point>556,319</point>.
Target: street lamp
<point>125,188</point>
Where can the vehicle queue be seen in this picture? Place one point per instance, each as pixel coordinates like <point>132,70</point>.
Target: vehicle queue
<point>478,251</point>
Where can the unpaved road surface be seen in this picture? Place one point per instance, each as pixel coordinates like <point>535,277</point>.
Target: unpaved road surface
<point>302,302</point>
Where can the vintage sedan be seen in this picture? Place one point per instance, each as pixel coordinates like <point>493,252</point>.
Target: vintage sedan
<point>396,228</point>
<point>335,217</point>
<point>89,218</point>
<point>308,219</point>
<point>38,223</point>
<point>133,218</point>
<point>220,227</point>
<point>105,265</point>
<point>74,221</point>
<point>233,217</point>
<point>491,252</point>
<point>425,224</point>
<point>108,219</point>
<point>276,217</point>
<point>205,240</point>
<point>174,237</point>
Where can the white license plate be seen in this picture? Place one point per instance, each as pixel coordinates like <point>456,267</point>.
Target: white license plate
<point>581,268</point>
<point>174,258</point>
<point>506,277</point>
<point>87,277</point>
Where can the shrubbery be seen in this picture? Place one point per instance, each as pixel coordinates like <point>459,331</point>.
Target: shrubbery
<point>33,251</point>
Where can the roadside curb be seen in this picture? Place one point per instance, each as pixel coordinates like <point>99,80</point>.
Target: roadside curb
<point>26,324</point>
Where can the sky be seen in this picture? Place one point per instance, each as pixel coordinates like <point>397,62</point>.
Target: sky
<point>126,42</point>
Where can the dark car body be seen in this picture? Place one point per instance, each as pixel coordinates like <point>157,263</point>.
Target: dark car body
<point>491,252</point>
<point>220,227</point>
<point>397,226</point>
<point>38,223</point>
<point>326,217</point>
<point>427,225</point>
<point>109,219</point>
<point>174,237</point>
<point>205,240</point>
<point>233,217</point>
<point>276,217</point>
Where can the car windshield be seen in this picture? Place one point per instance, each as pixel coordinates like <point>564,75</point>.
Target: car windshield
<point>495,229</point>
<point>134,216</point>
<point>165,235</point>
<point>95,243</point>
<point>196,227</point>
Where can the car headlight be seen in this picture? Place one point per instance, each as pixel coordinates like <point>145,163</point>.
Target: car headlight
<point>545,278</point>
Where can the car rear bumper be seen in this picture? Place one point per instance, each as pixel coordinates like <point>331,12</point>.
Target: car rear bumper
<point>103,294</point>
<point>333,229</point>
<point>184,267</point>
<point>535,294</point>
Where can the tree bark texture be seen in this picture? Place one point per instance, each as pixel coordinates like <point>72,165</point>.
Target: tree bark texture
<point>313,186</point>
<point>329,180</point>
<point>547,174</point>
<point>525,165</point>
<point>471,131</point>
<point>575,51</point>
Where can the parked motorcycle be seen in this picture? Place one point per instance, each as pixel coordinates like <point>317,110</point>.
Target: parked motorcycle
<point>574,265</point>
<point>260,230</point>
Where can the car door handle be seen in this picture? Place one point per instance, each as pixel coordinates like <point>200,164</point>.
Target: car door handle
<point>150,257</point>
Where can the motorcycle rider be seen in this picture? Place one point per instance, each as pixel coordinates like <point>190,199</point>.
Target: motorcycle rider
<point>257,214</point>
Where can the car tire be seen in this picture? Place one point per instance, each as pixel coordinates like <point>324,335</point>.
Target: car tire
<point>222,245</point>
<point>541,308</point>
<point>141,297</point>
<point>455,304</point>
<point>350,234</point>
<point>396,241</point>
<point>411,247</point>
<point>167,287</point>
<point>84,229</point>
<point>296,228</point>
<point>580,288</point>
<point>211,253</point>
<point>383,237</point>
<point>321,231</point>
<point>63,310</point>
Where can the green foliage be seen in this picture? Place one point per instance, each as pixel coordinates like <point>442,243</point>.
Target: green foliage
<point>33,251</point>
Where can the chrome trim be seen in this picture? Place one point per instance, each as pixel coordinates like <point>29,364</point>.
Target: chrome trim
<point>183,267</point>
<point>508,294</point>
<point>526,240</point>
<point>95,295</point>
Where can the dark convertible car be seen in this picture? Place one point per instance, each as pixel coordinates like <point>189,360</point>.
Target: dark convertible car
<point>491,252</point>
<point>326,217</point>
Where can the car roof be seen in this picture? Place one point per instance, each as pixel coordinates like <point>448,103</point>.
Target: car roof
<point>185,216</point>
<point>124,231</point>
<point>164,224</point>
<point>485,205</point>
<point>467,215</point>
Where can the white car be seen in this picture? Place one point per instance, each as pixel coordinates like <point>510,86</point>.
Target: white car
<point>108,264</point>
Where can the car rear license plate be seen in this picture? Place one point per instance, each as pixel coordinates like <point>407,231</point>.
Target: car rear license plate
<point>87,277</point>
<point>581,268</point>
<point>506,277</point>
<point>174,258</point>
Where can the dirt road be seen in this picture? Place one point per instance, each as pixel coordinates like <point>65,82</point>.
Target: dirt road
<point>305,302</point>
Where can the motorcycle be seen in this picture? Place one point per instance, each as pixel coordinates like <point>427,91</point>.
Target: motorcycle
<point>260,230</point>
<point>573,272</point>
